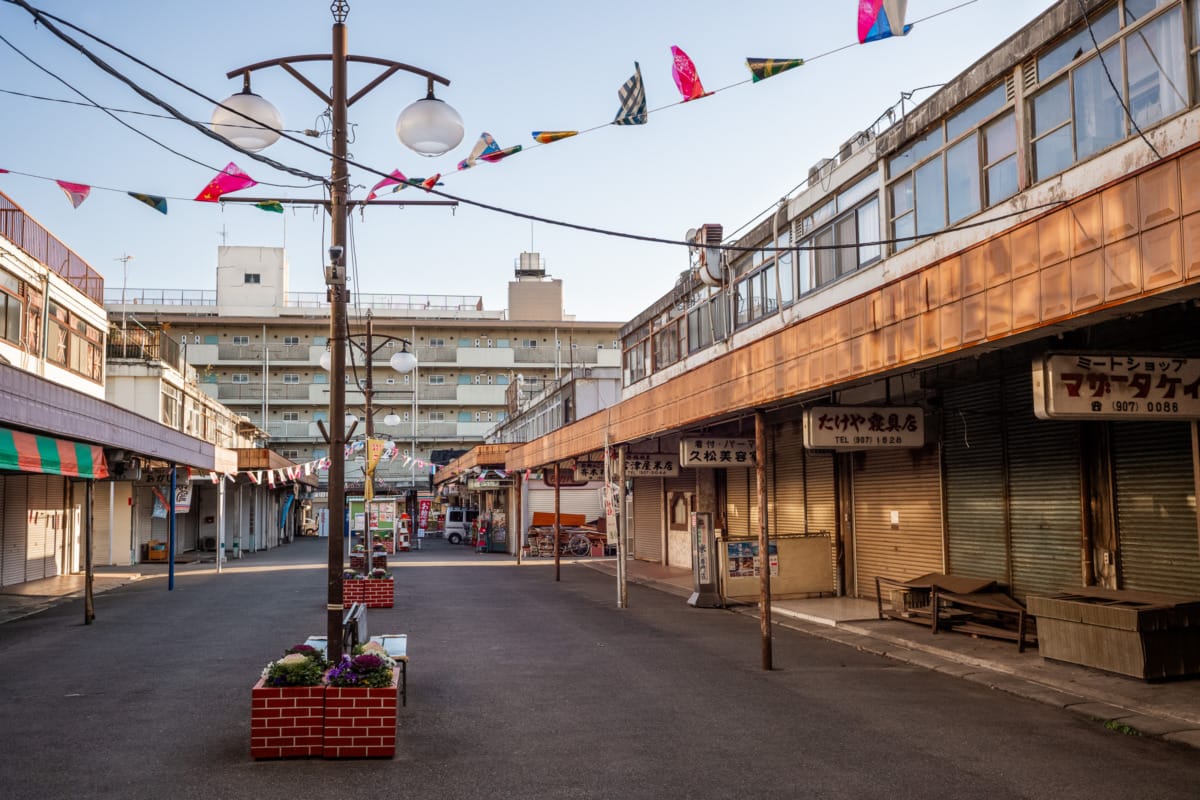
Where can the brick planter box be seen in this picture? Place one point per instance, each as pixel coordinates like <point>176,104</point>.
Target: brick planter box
<point>378,592</point>
<point>358,561</point>
<point>361,723</point>
<point>352,591</point>
<point>287,721</point>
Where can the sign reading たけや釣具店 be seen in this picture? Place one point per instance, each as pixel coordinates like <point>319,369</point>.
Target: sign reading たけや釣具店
<point>863,427</point>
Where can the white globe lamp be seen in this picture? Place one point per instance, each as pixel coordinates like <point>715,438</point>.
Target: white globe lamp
<point>252,134</point>
<point>430,127</point>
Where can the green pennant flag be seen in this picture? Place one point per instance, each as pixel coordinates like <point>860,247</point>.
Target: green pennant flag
<point>763,68</point>
<point>159,204</point>
<point>271,205</point>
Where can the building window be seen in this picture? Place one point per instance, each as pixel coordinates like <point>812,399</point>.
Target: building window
<point>529,343</point>
<point>636,355</point>
<point>389,381</point>
<point>240,377</point>
<point>320,377</point>
<point>437,380</point>
<point>502,380</point>
<point>291,377</point>
<point>465,416</point>
<point>291,416</point>
<point>253,277</point>
<point>707,320</point>
<point>291,341</point>
<point>241,340</point>
<point>667,343</point>
<point>12,309</point>
<point>437,342</point>
<point>1148,66</point>
<point>437,416</point>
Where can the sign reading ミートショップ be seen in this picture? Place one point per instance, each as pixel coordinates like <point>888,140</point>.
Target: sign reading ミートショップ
<point>863,427</point>
<point>1109,386</point>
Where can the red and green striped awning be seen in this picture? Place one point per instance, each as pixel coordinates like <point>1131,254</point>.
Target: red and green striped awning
<point>28,452</point>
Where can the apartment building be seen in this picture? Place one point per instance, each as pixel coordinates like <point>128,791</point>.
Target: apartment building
<point>968,344</point>
<point>258,347</point>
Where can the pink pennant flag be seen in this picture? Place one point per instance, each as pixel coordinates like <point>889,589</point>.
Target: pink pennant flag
<point>271,478</point>
<point>230,179</point>
<point>4,171</point>
<point>76,192</point>
<point>255,477</point>
<point>684,73</point>
<point>214,477</point>
<point>395,177</point>
<point>229,476</point>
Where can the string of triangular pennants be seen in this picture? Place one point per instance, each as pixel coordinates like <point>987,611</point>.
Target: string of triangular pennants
<point>282,475</point>
<point>877,20</point>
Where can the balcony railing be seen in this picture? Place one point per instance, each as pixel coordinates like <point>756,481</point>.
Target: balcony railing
<point>143,345</point>
<point>254,391</point>
<point>254,352</point>
<point>23,231</point>
<point>550,355</point>
<point>160,297</point>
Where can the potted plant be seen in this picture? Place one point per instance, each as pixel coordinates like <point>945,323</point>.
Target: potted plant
<point>360,705</point>
<point>352,587</point>
<point>379,589</point>
<point>287,706</point>
<point>358,558</point>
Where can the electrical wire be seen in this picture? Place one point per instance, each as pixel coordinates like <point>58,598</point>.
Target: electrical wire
<point>45,19</point>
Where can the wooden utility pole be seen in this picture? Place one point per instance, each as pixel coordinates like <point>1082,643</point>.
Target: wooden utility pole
<point>764,567</point>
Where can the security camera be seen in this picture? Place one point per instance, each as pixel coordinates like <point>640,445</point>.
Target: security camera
<point>335,253</point>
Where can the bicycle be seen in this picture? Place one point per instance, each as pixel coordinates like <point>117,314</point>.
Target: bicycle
<point>577,544</point>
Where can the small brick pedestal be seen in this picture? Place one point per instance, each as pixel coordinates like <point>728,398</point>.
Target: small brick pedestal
<point>378,592</point>
<point>288,721</point>
<point>352,591</point>
<point>361,723</point>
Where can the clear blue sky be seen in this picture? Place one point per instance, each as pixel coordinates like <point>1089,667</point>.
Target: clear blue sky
<point>515,68</point>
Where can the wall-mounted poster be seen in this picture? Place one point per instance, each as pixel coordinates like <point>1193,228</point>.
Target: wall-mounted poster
<point>744,562</point>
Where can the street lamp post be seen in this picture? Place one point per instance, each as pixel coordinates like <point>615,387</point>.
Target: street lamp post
<point>429,127</point>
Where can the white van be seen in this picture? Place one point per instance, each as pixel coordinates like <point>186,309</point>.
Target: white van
<point>457,526</point>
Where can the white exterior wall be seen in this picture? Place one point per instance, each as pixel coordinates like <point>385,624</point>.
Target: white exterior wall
<point>235,297</point>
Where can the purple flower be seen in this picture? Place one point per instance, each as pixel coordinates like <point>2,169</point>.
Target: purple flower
<point>367,663</point>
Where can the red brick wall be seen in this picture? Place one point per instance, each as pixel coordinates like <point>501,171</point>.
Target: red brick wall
<point>286,721</point>
<point>378,593</point>
<point>352,592</point>
<point>361,723</point>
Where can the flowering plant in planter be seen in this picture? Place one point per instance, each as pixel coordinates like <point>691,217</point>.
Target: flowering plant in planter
<point>379,574</point>
<point>371,669</point>
<point>351,574</point>
<point>358,548</point>
<point>301,665</point>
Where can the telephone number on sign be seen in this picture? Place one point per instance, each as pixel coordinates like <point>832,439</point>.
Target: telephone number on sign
<point>1152,406</point>
<point>878,440</point>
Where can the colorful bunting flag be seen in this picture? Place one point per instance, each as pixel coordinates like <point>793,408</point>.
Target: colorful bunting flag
<point>686,78</point>
<point>632,95</point>
<point>881,19</point>
<point>274,206</point>
<point>395,177</point>
<point>546,137</point>
<point>159,204</point>
<point>485,145</point>
<point>214,477</point>
<point>431,181</point>
<point>500,155</point>
<point>230,179</point>
<point>76,192</point>
<point>4,171</point>
<point>763,68</point>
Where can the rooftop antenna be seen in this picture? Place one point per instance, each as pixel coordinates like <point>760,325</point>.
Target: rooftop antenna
<point>125,259</point>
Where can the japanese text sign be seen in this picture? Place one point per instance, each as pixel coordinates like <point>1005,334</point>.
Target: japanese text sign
<point>706,451</point>
<point>637,465</point>
<point>863,427</point>
<point>1107,386</point>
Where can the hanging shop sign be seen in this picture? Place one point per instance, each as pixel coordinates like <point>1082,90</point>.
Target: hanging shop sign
<point>709,451</point>
<point>482,484</point>
<point>637,465</point>
<point>863,427</point>
<point>1111,386</point>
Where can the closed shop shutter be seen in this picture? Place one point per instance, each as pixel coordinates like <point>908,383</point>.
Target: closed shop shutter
<point>1156,516</point>
<point>787,481</point>
<point>973,452</point>
<point>39,535</point>
<point>15,528</point>
<point>1044,489</point>
<point>575,501</point>
<point>647,519</point>
<point>101,535</point>
<point>820,496</point>
<point>907,482</point>
<point>741,503</point>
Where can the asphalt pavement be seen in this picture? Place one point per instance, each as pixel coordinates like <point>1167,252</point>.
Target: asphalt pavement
<point>523,686</point>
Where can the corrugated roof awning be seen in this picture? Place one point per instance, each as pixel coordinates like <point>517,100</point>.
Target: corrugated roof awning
<point>28,452</point>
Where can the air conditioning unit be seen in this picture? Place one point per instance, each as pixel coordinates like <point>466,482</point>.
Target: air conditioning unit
<point>819,171</point>
<point>852,145</point>
<point>706,252</point>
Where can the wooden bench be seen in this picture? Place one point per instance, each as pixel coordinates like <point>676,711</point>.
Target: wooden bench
<point>991,614</point>
<point>396,645</point>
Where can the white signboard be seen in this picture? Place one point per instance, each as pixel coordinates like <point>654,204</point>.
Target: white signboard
<point>714,451</point>
<point>863,427</point>
<point>1109,386</point>
<point>637,465</point>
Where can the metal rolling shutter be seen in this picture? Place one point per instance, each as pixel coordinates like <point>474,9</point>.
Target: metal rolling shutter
<point>820,496</point>
<point>741,504</point>
<point>39,536</point>
<point>973,452</point>
<point>1152,470</point>
<point>1044,489</point>
<point>647,519</point>
<point>15,529</point>
<point>787,481</point>
<point>908,482</point>
<point>576,501</point>
<point>102,543</point>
